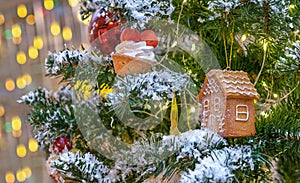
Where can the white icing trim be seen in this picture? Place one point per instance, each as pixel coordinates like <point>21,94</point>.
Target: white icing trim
<point>241,112</point>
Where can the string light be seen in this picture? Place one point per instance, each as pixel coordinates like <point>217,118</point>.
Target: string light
<point>22,11</point>
<point>16,30</point>
<point>67,33</point>
<point>9,177</point>
<point>10,85</point>
<point>244,37</point>
<point>30,19</point>
<point>27,78</point>
<point>17,133</point>
<point>2,19</point>
<point>73,3</point>
<point>27,172</point>
<point>2,110</point>
<point>32,145</point>
<point>21,151</point>
<point>16,123</point>
<point>7,127</point>
<point>17,40</point>
<point>33,52</point>
<point>55,29</point>
<point>21,82</point>
<point>21,57</point>
<point>7,34</point>
<point>38,42</point>
<point>48,4</point>
<point>21,175</point>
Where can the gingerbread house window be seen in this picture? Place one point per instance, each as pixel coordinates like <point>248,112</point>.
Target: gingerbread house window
<point>242,113</point>
<point>205,107</point>
<point>217,103</point>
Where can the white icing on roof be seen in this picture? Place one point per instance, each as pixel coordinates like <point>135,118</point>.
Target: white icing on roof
<point>234,83</point>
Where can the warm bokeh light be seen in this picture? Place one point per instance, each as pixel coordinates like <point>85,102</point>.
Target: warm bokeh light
<point>73,3</point>
<point>9,177</point>
<point>48,4</point>
<point>21,57</point>
<point>21,175</point>
<point>16,30</point>
<point>21,151</point>
<point>33,53</point>
<point>33,145</point>
<point>2,110</point>
<point>27,171</point>
<point>22,11</point>
<point>17,133</point>
<point>38,42</point>
<point>55,29</point>
<point>244,37</point>
<point>7,127</point>
<point>21,82</point>
<point>27,78</point>
<point>7,34</point>
<point>10,85</point>
<point>17,40</point>
<point>67,33</point>
<point>2,19</point>
<point>16,123</point>
<point>30,19</point>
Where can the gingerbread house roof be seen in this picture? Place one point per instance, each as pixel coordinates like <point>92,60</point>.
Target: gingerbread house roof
<point>235,84</point>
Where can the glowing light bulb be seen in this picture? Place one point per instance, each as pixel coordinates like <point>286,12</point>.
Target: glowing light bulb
<point>33,145</point>
<point>9,177</point>
<point>38,42</point>
<point>67,33</point>
<point>21,82</point>
<point>27,78</point>
<point>16,123</point>
<point>17,133</point>
<point>33,52</point>
<point>22,11</point>
<point>16,30</point>
<point>244,37</point>
<point>7,127</point>
<point>21,57</point>
<point>17,40</point>
<point>21,175</point>
<point>48,4</point>
<point>10,85</point>
<point>21,151</point>
<point>30,19</point>
<point>2,19</point>
<point>27,171</point>
<point>2,110</point>
<point>55,29</point>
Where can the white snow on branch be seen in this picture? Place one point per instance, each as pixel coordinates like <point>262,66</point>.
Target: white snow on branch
<point>139,10</point>
<point>88,165</point>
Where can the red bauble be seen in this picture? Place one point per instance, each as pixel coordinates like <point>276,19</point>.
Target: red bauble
<point>129,34</point>
<point>60,143</point>
<point>150,38</point>
<point>104,31</point>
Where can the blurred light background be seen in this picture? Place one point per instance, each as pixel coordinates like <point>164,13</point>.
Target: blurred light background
<point>28,30</point>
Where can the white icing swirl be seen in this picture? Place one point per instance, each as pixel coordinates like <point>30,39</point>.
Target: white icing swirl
<point>136,49</point>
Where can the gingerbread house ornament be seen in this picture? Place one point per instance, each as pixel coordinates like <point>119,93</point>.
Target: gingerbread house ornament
<point>227,99</point>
